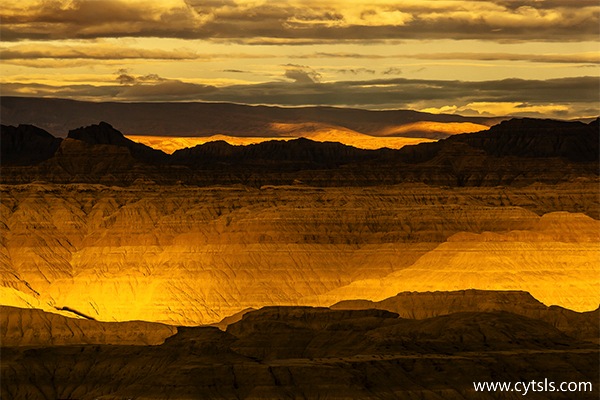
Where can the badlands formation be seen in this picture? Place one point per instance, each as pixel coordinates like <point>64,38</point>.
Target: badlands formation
<point>189,256</point>
<point>100,226</point>
<point>303,352</point>
<point>326,271</point>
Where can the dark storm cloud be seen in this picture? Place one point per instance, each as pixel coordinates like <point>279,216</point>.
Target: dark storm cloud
<point>307,20</point>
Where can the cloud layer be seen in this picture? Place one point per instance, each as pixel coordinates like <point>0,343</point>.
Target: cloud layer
<point>502,56</point>
<point>559,97</point>
<point>302,20</point>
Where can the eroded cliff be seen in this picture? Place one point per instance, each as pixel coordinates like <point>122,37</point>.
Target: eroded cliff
<point>189,255</point>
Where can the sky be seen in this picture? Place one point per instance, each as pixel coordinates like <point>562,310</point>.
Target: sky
<point>537,58</point>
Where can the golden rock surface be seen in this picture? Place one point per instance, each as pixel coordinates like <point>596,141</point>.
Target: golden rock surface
<point>557,261</point>
<point>186,255</point>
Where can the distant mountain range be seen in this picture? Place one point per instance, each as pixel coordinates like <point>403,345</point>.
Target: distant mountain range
<point>518,151</point>
<point>57,116</point>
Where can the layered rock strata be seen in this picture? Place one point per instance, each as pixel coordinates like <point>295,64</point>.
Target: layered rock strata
<point>188,255</point>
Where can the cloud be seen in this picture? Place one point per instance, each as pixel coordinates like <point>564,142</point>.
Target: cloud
<point>592,57</point>
<point>504,108</point>
<point>124,78</point>
<point>341,55</point>
<point>356,71</point>
<point>97,51</point>
<point>302,20</point>
<point>161,91</point>
<point>565,96</point>
<point>302,74</point>
<point>572,58</point>
<point>165,91</point>
<point>47,55</point>
<point>393,71</point>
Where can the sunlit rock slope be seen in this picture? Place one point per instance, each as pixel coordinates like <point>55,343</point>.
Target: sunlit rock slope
<point>556,260</point>
<point>189,255</point>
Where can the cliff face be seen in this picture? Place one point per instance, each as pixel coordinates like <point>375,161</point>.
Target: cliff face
<point>118,231</point>
<point>549,260</point>
<point>527,137</point>
<point>195,255</point>
<point>106,229</point>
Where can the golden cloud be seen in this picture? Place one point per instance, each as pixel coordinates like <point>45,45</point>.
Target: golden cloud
<point>302,19</point>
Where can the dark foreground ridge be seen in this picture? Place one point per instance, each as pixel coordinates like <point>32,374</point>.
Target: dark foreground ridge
<point>26,145</point>
<point>515,152</point>
<point>298,352</point>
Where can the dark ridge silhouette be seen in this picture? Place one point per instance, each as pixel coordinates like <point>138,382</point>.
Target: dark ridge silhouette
<point>104,133</point>
<point>517,152</point>
<point>300,153</point>
<point>521,137</point>
<point>26,145</point>
<point>527,137</point>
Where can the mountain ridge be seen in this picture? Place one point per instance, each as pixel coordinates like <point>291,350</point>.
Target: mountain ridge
<point>207,119</point>
<point>520,151</point>
<point>104,134</point>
